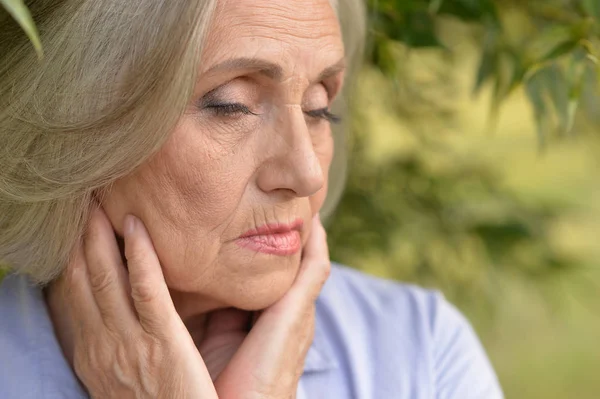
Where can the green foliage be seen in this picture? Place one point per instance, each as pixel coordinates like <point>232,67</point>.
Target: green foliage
<point>432,217</point>
<point>455,227</point>
<point>21,14</point>
<point>458,227</point>
<point>549,46</point>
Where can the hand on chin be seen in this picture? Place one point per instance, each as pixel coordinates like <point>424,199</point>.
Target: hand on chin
<point>225,331</point>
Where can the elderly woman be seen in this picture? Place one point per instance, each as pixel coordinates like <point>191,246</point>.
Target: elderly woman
<point>161,173</point>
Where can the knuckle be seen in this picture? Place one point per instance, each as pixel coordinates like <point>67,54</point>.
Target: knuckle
<point>86,360</point>
<point>122,359</point>
<point>135,251</point>
<point>144,291</point>
<point>102,281</point>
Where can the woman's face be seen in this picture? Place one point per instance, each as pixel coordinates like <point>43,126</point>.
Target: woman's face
<point>252,150</point>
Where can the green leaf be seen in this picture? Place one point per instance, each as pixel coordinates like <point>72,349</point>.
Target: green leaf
<point>557,85</point>
<point>21,14</point>
<point>560,50</point>
<point>534,87</point>
<point>576,77</point>
<point>554,42</point>
<point>489,61</point>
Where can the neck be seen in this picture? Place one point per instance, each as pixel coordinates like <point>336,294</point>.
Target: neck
<point>193,309</point>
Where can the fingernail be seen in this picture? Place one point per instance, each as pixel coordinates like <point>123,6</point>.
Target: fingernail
<point>128,225</point>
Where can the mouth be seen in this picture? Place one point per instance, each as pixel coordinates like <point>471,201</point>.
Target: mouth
<point>274,238</point>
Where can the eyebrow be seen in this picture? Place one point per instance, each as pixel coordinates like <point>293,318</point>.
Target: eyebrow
<point>270,69</point>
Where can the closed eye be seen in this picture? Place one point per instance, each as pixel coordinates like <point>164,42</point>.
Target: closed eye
<point>232,109</point>
<point>324,113</point>
<point>229,109</point>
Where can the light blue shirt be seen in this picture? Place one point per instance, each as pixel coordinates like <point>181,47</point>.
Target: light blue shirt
<point>374,339</point>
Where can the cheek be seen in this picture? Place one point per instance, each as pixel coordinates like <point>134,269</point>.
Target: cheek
<point>324,150</point>
<point>206,180</point>
<point>185,195</point>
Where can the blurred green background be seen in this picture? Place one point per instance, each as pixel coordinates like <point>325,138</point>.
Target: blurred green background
<point>474,160</point>
<point>474,155</point>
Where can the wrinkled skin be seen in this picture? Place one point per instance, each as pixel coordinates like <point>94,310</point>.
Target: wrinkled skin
<point>254,147</point>
<point>221,175</point>
<point>124,339</point>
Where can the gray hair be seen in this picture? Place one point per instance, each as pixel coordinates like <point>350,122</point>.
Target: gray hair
<point>71,124</point>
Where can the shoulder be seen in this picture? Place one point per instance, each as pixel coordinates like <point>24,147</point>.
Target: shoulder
<point>374,294</point>
<point>404,309</point>
<point>406,333</point>
<point>32,361</point>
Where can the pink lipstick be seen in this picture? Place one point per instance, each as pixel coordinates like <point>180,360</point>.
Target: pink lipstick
<point>275,239</point>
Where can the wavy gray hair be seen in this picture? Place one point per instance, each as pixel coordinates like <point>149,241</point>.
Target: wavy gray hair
<point>70,125</point>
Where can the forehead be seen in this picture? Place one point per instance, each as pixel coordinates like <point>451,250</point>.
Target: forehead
<point>293,33</point>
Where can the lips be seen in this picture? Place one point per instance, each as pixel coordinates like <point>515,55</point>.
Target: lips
<point>275,239</point>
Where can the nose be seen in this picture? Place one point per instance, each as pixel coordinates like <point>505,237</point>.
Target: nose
<point>292,164</point>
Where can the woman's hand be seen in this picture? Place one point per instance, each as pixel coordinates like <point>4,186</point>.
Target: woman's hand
<point>127,339</point>
<point>270,360</point>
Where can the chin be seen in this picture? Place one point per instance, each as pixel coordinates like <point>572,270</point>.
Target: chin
<point>259,292</point>
<point>244,282</point>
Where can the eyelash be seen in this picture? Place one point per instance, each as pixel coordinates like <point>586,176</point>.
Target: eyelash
<point>226,109</point>
<point>236,108</point>
<point>324,113</point>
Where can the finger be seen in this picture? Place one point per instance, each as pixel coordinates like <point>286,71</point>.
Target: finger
<point>76,294</point>
<point>315,267</point>
<point>275,349</point>
<point>282,334</point>
<point>292,317</point>
<point>107,275</point>
<point>225,332</point>
<point>149,291</point>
